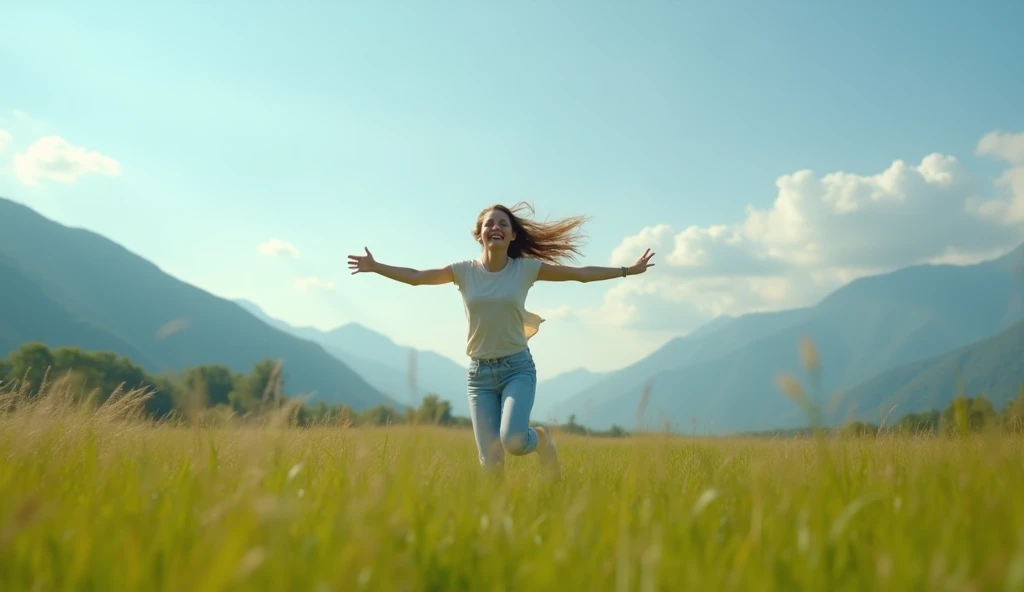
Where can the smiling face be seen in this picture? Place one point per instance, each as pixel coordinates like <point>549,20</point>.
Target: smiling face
<point>495,230</point>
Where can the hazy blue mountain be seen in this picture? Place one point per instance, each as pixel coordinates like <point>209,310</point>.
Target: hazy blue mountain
<point>993,367</point>
<point>383,363</point>
<point>726,380</point>
<point>28,314</point>
<point>69,286</point>
<point>560,388</point>
<point>713,340</point>
<point>715,324</point>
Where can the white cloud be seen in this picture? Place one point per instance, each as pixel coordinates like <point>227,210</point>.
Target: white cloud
<point>1008,208</point>
<point>820,233</point>
<point>276,247</point>
<point>54,158</point>
<point>6,139</point>
<point>554,314</point>
<point>22,124</point>
<point>306,284</point>
<point>1004,145</point>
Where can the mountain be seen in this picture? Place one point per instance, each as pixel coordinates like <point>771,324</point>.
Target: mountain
<point>726,380</point>
<point>993,367</point>
<point>385,365</point>
<point>557,389</point>
<point>382,362</point>
<point>68,286</point>
<point>28,314</point>
<point>717,338</point>
<point>715,324</point>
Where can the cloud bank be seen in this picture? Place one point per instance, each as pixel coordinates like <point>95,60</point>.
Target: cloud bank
<point>55,159</point>
<point>819,233</point>
<point>276,247</point>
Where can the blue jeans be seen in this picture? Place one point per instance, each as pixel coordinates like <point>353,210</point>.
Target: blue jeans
<point>501,396</point>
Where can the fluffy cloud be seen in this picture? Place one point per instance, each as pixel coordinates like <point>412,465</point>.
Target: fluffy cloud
<point>306,284</point>
<point>55,159</point>
<point>1007,208</point>
<point>820,233</point>
<point>5,140</point>
<point>276,247</point>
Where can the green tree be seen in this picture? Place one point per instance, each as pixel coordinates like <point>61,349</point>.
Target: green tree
<point>1013,416</point>
<point>163,399</point>
<point>262,388</point>
<point>965,415</point>
<point>97,375</point>
<point>918,423</point>
<point>380,415</point>
<point>434,411</point>
<point>30,365</point>
<point>571,427</point>
<point>617,432</point>
<point>212,384</point>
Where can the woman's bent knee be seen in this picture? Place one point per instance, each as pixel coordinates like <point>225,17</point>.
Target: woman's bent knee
<point>514,443</point>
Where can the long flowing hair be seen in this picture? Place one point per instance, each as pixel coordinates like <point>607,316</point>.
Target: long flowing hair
<point>550,242</point>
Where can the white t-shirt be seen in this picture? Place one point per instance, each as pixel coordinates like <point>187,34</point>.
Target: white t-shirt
<point>495,303</point>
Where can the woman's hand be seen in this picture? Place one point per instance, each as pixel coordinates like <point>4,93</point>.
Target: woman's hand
<point>362,264</point>
<point>641,264</point>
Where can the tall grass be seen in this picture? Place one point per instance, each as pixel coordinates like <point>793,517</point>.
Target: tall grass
<point>101,499</point>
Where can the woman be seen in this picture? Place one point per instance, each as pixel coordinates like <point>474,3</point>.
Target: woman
<point>502,378</point>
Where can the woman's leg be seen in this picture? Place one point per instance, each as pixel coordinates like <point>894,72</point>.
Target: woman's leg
<point>517,396</point>
<point>485,413</point>
<point>518,390</point>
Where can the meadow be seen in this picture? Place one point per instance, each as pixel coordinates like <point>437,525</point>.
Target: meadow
<point>103,499</point>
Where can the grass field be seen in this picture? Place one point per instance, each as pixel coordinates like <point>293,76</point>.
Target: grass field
<point>92,501</point>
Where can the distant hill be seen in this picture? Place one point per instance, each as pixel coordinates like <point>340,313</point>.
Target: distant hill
<point>558,389</point>
<point>382,362</point>
<point>726,379</point>
<point>68,286</point>
<point>385,365</point>
<point>717,338</point>
<point>28,314</point>
<point>993,367</point>
<point>715,324</point>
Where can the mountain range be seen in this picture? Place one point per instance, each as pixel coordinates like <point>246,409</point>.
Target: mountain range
<point>723,378</point>
<point>991,367</point>
<point>71,287</point>
<point>387,366</point>
<point>403,373</point>
<point>903,338</point>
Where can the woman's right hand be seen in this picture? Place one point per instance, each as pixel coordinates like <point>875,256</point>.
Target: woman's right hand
<point>362,263</point>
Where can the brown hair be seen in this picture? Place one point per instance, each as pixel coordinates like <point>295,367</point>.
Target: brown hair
<point>549,242</point>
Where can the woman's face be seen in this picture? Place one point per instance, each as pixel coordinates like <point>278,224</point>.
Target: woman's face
<point>496,230</point>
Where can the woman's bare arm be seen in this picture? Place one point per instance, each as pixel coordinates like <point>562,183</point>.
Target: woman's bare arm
<point>406,275</point>
<point>416,277</point>
<point>590,273</point>
<point>565,273</point>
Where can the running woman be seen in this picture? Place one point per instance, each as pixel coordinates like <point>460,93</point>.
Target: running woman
<point>502,379</point>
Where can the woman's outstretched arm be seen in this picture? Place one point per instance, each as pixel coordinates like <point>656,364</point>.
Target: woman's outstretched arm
<point>590,273</point>
<point>406,275</point>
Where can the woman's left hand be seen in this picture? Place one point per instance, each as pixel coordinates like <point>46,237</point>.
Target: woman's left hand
<point>641,264</point>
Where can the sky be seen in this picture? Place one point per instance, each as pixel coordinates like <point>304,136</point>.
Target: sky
<point>768,152</point>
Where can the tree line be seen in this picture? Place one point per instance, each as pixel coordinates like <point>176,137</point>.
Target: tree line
<point>212,391</point>
<point>963,415</point>
<point>215,390</point>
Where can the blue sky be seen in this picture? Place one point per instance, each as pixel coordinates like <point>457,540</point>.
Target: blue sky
<point>391,125</point>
